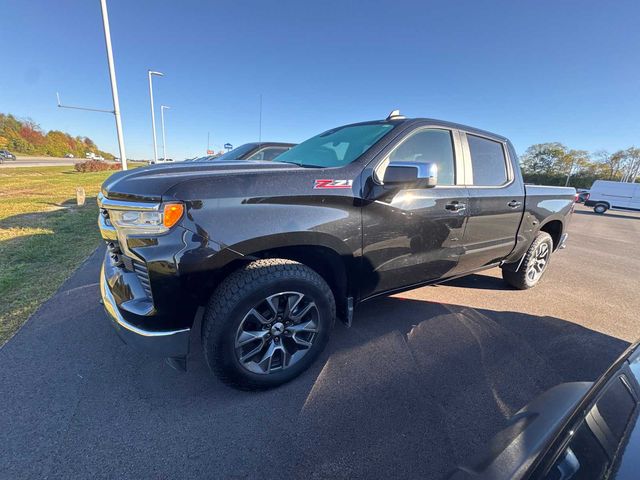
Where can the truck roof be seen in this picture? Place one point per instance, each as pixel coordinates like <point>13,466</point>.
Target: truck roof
<point>436,122</point>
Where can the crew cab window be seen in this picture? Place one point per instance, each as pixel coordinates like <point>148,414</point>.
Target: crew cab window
<point>431,145</point>
<point>268,153</point>
<point>488,161</point>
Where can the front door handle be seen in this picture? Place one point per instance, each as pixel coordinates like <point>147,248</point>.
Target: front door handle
<point>455,206</point>
<point>514,204</point>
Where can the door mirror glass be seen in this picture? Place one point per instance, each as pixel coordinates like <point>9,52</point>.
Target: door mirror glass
<point>414,174</point>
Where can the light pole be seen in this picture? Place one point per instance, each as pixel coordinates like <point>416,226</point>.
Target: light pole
<point>153,117</point>
<point>114,87</point>
<point>164,140</point>
<point>114,84</point>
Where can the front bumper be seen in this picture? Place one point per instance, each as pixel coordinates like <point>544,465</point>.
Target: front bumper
<point>171,343</point>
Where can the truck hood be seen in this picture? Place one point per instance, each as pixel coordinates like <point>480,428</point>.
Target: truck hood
<point>148,184</point>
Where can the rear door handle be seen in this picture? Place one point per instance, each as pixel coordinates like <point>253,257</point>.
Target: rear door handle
<point>455,206</point>
<point>514,204</point>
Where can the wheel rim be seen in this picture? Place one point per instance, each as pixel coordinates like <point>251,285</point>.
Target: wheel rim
<point>277,333</point>
<point>538,262</point>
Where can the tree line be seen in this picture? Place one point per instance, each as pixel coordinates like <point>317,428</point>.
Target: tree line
<point>24,136</point>
<point>555,164</point>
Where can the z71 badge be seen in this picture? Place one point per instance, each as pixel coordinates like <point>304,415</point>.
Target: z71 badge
<point>330,183</point>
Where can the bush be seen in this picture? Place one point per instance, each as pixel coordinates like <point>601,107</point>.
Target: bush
<point>96,166</point>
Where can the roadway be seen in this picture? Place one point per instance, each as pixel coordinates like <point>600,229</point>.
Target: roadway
<point>22,162</point>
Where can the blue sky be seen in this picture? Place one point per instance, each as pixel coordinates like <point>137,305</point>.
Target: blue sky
<point>536,71</point>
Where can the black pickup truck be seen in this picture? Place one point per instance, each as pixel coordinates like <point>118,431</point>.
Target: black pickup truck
<point>274,251</point>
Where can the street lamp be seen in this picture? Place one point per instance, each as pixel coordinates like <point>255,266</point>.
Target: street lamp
<point>153,118</point>
<point>114,87</point>
<point>164,140</point>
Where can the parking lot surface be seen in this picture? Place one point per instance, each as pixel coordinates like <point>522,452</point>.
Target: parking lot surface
<point>419,383</point>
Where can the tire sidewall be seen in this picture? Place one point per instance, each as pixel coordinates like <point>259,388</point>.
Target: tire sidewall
<point>539,241</point>
<point>226,356</point>
<point>600,208</point>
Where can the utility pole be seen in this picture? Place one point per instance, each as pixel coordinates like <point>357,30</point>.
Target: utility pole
<point>260,122</point>
<point>164,140</point>
<point>566,184</point>
<point>151,73</point>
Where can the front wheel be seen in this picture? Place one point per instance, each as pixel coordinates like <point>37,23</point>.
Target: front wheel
<point>267,323</point>
<point>533,266</point>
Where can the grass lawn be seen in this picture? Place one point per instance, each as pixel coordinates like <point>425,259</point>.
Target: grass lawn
<point>43,236</point>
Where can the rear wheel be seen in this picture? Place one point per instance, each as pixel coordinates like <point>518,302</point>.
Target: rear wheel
<point>601,208</point>
<point>533,266</point>
<point>267,323</point>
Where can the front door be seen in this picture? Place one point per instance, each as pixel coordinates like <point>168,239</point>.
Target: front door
<point>413,235</point>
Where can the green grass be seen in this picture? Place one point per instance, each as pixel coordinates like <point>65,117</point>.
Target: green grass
<point>44,236</point>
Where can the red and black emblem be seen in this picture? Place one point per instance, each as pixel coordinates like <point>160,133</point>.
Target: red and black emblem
<point>330,183</point>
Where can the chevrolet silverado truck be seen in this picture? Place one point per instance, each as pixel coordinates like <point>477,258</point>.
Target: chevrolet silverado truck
<point>268,254</point>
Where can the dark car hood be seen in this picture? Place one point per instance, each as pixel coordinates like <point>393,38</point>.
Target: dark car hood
<point>150,183</point>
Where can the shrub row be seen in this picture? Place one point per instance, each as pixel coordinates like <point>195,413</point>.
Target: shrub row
<point>96,166</point>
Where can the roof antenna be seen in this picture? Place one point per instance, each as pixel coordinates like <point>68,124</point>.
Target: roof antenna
<point>395,115</point>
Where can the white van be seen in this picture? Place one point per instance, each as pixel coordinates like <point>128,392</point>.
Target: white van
<point>615,195</point>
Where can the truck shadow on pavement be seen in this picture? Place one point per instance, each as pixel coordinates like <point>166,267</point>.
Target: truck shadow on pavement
<point>426,385</point>
<point>479,281</point>
<point>411,390</point>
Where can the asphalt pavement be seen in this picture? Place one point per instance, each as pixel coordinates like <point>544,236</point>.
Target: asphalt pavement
<point>420,382</point>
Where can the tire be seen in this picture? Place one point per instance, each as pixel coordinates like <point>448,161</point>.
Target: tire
<point>273,307</point>
<point>600,208</point>
<point>531,269</point>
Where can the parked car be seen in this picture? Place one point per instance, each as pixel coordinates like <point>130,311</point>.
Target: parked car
<point>252,151</point>
<point>7,155</point>
<point>275,250</point>
<point>582,195</point>
<point>578,430</point>
<point>69,155</point>
<point>605,195</point>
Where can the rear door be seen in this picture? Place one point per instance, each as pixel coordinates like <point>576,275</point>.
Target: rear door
<point>414,235</point>
<point>496,202</point>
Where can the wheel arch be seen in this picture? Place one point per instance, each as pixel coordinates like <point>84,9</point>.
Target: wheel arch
<point>328,256</point>
<point>554,228</point>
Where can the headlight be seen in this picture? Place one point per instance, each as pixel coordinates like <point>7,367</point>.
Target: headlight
<point>141,222</point>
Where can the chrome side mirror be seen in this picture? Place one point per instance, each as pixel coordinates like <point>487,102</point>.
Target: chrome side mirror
<point>418,174</point>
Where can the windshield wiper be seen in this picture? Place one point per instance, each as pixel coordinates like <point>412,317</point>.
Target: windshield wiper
<point>303,165</point>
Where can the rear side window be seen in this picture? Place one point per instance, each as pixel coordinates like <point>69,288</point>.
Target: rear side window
<point>488,161</point>
<point>584,458</point>
<point>616,407</point>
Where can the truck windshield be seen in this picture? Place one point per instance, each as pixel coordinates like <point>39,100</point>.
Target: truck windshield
<point>234,154</point>
<point>337,147</point>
